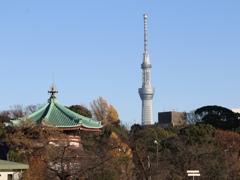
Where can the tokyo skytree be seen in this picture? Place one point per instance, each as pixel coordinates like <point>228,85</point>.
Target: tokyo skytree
<point>146,92</point>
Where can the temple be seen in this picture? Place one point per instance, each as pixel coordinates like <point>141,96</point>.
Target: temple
<point>54,114</point>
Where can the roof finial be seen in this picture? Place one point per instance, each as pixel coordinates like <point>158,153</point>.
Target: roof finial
<point>52,91</point>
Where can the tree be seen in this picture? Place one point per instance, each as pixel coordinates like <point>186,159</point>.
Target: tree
<point>106,155</point>
<point>43,146</point>
<point>37,169</point>
<point>219,117</point>
<point>104,112</point>
<point>4,116</point>
<point>3,147</point>
<point>32,108</point>
<point>17,111</point>
<point>144,150</point>
<point>230,145</point>
<point>177,157</point>
<point>2,132</point>
<point>112,116</point>
<point>172,155</point>
<point>192,118</point>
<point>197,134</point>
<point>81,110</point>
<point>115,159</point>
<point>45,149</point>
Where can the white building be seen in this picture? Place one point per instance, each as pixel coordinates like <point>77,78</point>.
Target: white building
<point>11,170</point>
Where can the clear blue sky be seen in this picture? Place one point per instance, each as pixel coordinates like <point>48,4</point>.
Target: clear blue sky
<point>95,48</point>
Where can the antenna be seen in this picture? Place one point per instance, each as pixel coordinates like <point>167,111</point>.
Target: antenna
<point>53,78</point>
<point>145,34</point>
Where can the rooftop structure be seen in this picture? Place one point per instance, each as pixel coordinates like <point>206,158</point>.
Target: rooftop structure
<point>171,118</point>
<point>147,91</point>
<point>54,114</point>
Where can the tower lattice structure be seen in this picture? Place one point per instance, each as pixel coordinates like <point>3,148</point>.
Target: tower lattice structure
<point>146,92</point>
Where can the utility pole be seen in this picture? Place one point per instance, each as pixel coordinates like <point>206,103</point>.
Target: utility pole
<point>156,142</point>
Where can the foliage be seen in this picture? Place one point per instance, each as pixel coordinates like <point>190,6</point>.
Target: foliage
<point>142,142</point>
<point>228,140</point>
<point>15,156</point>
<point>105,113</point>
<point>112,116</point>
<point>144,152</point>
<point>105,173</point>
<point>219,117</point>
<point>18,111</point>
<point>192,118</point>
<point>120,130</point>
<point>2,132</point>
<point>177,157</point>
<point>173,130</point>
<point>37,169</point>
<point>230,145</point>
<point>29,142</point>
<point>177,150</point>
<point>197,134</point>
<point>5,116</point>
<point>110,154</point>
<point>45,150</point>
<point>81,110</point>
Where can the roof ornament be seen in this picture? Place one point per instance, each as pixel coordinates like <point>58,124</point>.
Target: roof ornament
<point>52,91</point>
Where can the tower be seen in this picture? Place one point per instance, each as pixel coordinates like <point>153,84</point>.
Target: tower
<point>146,92</point>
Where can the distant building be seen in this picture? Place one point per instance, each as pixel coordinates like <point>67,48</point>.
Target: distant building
<point>236,110</point>
<point>171,118</point>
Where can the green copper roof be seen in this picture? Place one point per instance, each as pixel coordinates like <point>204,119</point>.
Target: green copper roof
<point>9,165</point>
<point>54,114</point>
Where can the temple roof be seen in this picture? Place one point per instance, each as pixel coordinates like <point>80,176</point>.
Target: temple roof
<point>54,114</point>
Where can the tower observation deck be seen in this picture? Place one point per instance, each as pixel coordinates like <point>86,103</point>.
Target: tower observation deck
<point>146,92</point>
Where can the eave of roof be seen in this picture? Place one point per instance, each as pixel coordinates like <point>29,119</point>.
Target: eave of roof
<point>9,165</point>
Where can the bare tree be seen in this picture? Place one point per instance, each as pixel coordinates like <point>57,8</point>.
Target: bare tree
<point>32,108</point>
<point>192,118</point>
<point>5,116</point>
<point>17,111</point>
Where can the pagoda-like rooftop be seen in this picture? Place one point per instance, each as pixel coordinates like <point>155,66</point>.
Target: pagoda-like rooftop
<point>55,115</point>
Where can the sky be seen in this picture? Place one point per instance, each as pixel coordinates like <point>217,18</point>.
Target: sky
<point>95,48</point>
